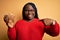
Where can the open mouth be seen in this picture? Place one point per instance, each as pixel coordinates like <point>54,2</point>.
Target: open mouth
<point>30,16</point>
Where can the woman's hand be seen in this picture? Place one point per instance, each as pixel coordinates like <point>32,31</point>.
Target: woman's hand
<point>9,20</point>
<point>48,21</point>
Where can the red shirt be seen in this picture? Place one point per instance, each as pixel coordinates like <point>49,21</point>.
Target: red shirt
<point>33,30</point>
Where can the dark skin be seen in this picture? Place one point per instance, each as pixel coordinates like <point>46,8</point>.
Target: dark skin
<point>29,13</point>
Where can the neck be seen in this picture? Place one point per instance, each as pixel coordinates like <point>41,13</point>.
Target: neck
<point>28,20</point>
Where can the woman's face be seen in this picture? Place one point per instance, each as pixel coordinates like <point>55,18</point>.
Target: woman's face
<point>29,12</point>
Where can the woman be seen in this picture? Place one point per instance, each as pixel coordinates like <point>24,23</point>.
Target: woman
<point>30,27</point>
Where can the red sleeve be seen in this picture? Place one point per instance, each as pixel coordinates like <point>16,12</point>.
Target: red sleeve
<point>59,29</point>
<point>52,30</point>
<point>12,33</point>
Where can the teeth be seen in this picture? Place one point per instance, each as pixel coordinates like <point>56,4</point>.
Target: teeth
<point>30,15</point>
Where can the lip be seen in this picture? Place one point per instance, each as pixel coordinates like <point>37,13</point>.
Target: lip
<point>29,15</point>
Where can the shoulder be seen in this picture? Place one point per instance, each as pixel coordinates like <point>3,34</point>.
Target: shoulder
<point>40,22</point>
<point>19,21</point>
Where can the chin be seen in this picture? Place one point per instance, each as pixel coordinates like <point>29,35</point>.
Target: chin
<point>30,18</point>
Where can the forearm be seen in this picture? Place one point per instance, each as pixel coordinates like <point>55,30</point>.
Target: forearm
<point>11,33</point>
<point>52,30</point>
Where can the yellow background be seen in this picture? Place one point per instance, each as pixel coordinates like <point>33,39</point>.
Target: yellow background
<point>46,9</point>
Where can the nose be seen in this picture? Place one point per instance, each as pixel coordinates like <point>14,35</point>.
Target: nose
<point>29,12</point>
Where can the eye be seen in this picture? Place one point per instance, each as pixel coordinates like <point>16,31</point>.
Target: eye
<point>31,10</point>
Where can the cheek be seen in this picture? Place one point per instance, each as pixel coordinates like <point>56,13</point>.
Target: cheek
<point>26,13</point>
<point>30,13</point>
<point>33,13</point>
